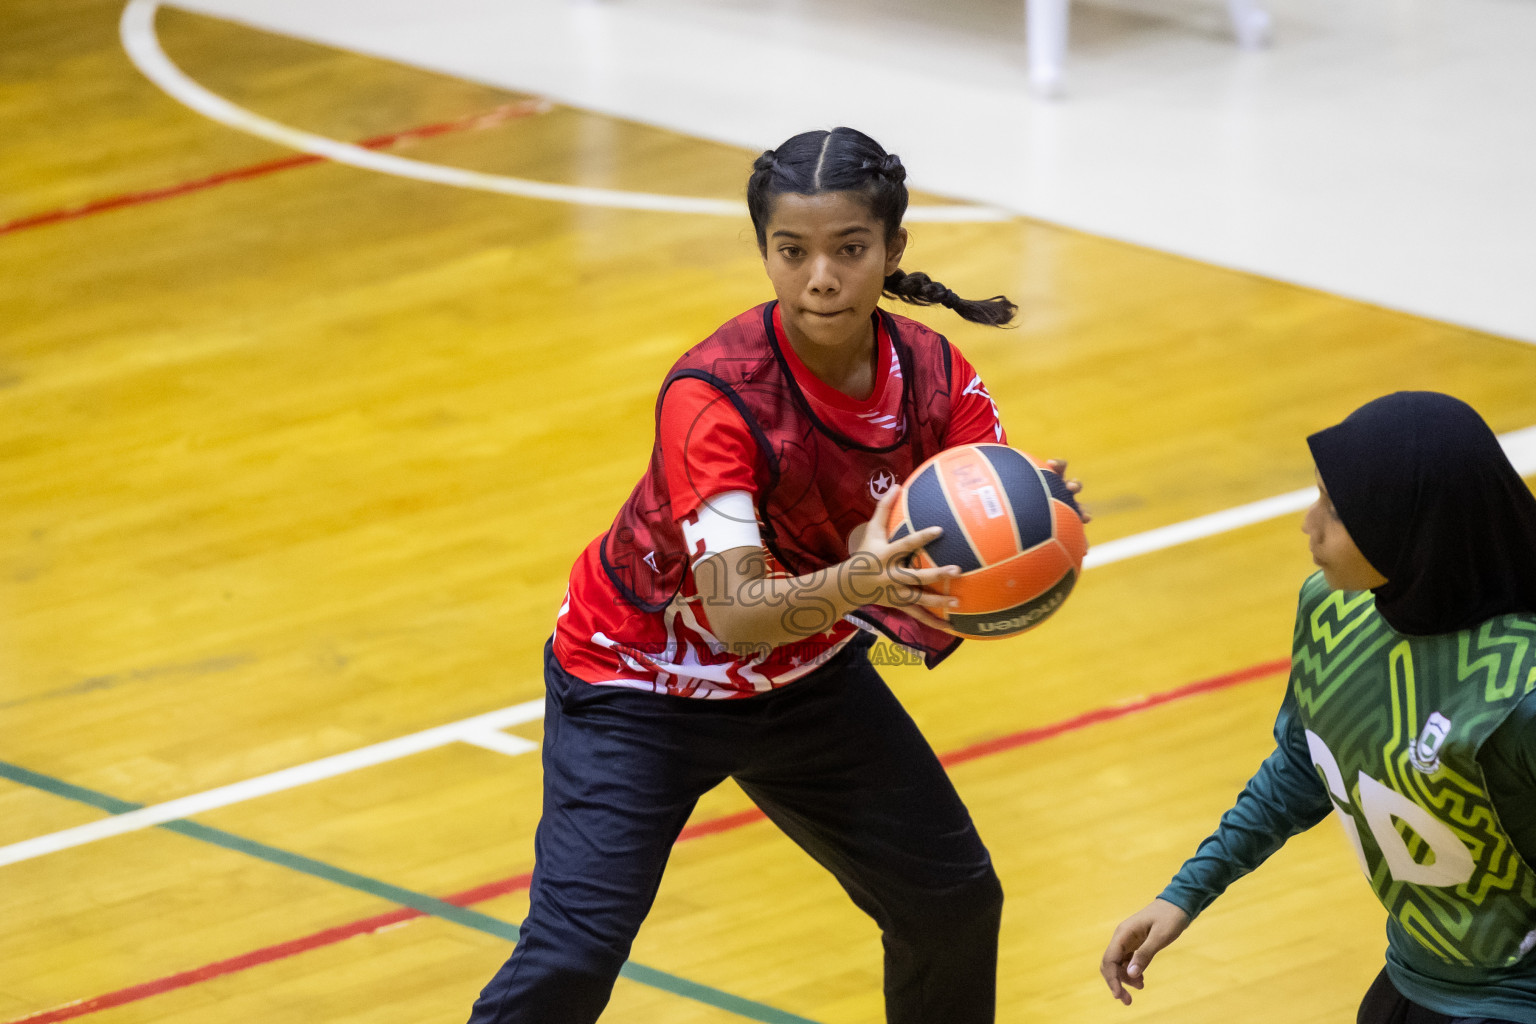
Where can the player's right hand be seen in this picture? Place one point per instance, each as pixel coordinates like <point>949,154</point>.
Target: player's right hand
<point>884,565</point>
<point>1136,942</point>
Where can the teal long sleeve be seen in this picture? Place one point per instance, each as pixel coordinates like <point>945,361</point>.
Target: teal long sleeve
<point>1284,797</point>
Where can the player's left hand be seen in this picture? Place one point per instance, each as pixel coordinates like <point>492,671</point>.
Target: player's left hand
<point>1059,467</point>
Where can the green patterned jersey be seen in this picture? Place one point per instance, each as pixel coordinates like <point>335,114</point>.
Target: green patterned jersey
<point>1393,724</point>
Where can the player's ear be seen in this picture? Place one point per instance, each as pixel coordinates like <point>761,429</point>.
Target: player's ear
<point>895,249</point>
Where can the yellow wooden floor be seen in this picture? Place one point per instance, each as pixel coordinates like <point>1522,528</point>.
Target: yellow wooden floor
<point>298,464</point>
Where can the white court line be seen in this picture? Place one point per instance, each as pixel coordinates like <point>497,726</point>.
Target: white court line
<point>482,730</point>
<point>501,742</point>
<point>1203,526</point>
<point>137,29</point>
<point>1519,445</point>
<point>470,730</point>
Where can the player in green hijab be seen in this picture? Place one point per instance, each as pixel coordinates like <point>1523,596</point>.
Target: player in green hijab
<point>1410,713</point>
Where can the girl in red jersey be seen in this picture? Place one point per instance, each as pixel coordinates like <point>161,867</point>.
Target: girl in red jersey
<point>718,629</point>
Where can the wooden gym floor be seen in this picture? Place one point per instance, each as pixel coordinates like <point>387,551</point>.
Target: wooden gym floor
<point>296,458</point>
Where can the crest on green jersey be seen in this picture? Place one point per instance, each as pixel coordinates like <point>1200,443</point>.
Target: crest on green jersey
<point>1426,752</point>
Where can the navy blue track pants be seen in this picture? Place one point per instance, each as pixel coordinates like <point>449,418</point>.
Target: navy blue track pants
<point>1384,1004</point>
<point>833,759</point>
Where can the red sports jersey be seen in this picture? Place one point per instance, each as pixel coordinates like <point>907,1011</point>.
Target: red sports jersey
<point>708,448</point>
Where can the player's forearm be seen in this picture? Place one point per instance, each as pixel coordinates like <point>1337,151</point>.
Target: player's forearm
<point>1284,797</point>
<point>748,606</point>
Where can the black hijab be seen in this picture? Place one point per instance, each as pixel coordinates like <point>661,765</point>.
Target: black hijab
<point>1433,503</point>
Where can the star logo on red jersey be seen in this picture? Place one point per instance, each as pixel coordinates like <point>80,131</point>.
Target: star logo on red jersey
<point>881,481</point>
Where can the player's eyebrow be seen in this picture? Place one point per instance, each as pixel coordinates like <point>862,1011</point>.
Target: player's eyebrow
<point>854,230</point>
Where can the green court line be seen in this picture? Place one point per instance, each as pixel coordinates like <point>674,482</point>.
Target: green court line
<point>465,916</point>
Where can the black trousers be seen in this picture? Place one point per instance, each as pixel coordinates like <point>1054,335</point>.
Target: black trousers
<point>1384,1004</point>
<point>832,759</point>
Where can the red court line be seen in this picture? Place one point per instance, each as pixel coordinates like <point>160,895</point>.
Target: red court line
<point>722,824</point>
<point>1114,711</point>
<point>503,113</point>
<point>725,823</point>
<point>266,955</point>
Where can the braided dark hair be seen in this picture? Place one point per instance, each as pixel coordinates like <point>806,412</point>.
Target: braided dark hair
<point>847,160</point>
